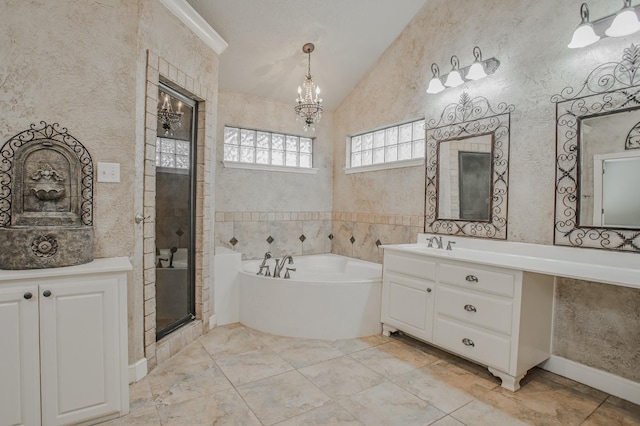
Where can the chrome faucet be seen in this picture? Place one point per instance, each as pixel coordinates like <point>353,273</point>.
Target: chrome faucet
<point>267,255</point>
<point>280,265</point>
<point>437,240</point>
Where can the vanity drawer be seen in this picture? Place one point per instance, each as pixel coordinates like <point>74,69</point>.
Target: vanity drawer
<point>409,265</point>
<point>480,310</point>
<point>476,344</point>
<point>478,279</point>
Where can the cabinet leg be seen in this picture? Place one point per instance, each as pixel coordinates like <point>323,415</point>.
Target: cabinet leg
<point>508,382</point>
<point>387,330</point>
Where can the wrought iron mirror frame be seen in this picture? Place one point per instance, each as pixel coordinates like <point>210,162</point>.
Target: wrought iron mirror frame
<point>610,88</point>
<point>45,134</point>
<point>470,117</point>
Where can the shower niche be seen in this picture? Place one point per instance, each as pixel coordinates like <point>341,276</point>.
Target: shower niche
<point>46,200</point>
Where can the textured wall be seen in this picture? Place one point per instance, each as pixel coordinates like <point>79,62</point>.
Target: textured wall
<point>83,65</point>
<point>283,205</point>
<point>529,38</point>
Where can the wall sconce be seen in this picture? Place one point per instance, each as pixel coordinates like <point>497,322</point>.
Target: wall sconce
<point>479,69</point>
<point>620,24</point>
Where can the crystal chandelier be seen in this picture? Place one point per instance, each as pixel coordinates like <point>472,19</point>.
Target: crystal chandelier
<point>169,119</point>
<point>309,108</point>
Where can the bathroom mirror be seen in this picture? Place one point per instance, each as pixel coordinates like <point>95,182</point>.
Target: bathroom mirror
<point>467,165</point>
<point>598,158</point>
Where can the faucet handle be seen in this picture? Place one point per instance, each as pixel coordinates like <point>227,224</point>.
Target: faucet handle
<point>286,274</point>
<point>430,242</point>
<point>449,244</point>
<point>268,273</point>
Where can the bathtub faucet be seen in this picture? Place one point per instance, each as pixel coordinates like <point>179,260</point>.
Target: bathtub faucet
<point>280,265</point>
<point>173,251</point>
<point>267,255</point>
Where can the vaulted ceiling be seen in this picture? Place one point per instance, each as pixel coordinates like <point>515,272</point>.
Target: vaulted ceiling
<point>265,37</point>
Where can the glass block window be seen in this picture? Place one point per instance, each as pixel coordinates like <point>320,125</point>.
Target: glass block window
<point>267,148</point>
<point>394,143</point>
<point>172,153</point>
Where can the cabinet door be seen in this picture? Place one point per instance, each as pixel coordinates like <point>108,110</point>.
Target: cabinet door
<point>19,357</point>
<point>79,342</point>
<point>407,303</point>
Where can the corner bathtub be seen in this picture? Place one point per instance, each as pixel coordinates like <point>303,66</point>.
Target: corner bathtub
<point>327,297</point>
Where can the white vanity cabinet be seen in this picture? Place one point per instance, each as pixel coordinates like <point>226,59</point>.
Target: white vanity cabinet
<point>498,317</point>
<point>64,344</point>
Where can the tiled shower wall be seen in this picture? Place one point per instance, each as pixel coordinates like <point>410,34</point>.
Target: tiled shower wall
<point>359,235</point>
<point>281,233</point>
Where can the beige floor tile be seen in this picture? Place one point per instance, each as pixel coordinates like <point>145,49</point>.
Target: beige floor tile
<point>233,339</point>
<point>222,408</point>
<point>194,353</point>
<point>348,346</point>
<point>448,421</point>
<point>330,414</point>
<point>544,402</point>
<point>171,384</point>
<point>251,366</point>
<point>140,397</point>
<point>393,358</point>
<point>615,411</point>
<point>281,397</point>
<point>302,352</point>
<point>477,413</point>
<point>342,377</point>
<point>388,404</point>
<point>431,389</point>
<point>145,418</point>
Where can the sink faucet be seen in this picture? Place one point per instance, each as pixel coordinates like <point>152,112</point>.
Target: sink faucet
<point>280,265</point>
<point>267,255</point>
<point>437,240</point>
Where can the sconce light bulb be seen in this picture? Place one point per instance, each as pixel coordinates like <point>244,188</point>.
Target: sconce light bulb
<point>625,23</point>
<point>454,79</point>
<point>435,86</point>
<point>583,36</point>
<point>476,71</point>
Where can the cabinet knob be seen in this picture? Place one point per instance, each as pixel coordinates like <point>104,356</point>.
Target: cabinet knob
<point>471,278</point>
<point>28,295</point>
<point>468,342</point>
<point>46,293</point>
<point>470,308</point>
<point>428,289</point>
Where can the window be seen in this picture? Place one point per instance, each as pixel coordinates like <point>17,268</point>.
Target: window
<point>172,153</point>
<point>266,148</point>
<point>389,145</point>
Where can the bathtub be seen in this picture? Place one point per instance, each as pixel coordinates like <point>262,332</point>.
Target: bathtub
<point>327,297</point>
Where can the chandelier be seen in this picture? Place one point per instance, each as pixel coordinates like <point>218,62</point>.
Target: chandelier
<point>309,108</point>
<point>169,119</point>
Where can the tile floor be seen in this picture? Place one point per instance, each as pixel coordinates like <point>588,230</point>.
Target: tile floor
<point>238,376</point>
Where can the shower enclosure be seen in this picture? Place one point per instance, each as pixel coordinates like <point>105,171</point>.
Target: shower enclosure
<point>175,210</point>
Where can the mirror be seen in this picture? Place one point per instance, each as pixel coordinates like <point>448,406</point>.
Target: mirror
<point>467,163</point>
<point>598,158</point>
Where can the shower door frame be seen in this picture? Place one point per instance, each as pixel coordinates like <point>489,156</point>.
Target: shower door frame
<point>191,249</point>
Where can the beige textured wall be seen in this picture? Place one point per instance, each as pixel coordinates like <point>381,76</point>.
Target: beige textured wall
<point>83,65</point>
<point>529,38</point>
<point>283,205</point>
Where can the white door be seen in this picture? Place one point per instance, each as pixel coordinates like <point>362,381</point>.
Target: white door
<point>19,360</point>
<point>80,349</point>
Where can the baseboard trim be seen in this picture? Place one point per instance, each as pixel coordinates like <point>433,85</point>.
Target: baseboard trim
<point>212,321</point>
<point>599,379</point>
<point>138,370</point>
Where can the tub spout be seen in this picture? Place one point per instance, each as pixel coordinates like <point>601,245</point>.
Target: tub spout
<point>280,265</point>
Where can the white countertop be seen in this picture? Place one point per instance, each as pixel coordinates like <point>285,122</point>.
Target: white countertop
<point>97,266</point>
<point>609,267</point>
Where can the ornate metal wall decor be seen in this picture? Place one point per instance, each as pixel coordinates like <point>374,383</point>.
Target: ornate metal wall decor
<point>46,200</point>
<point>470,117</point>
<point>633,138</point>
<point>611,87</point>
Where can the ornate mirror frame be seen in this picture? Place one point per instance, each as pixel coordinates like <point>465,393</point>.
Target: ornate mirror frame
<point>611,87</point>
<point>468,118</point>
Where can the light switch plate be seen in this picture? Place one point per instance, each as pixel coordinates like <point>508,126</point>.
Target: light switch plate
<point>109,172</point>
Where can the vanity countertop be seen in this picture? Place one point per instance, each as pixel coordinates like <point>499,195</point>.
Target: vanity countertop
<point>97,266</point>
<point>609,267</point>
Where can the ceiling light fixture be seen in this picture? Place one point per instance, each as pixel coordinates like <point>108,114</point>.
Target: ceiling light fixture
<point>309,108</point>
<point>457,76</point>
<point>169,119</point>
<point>623,23</point>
